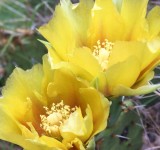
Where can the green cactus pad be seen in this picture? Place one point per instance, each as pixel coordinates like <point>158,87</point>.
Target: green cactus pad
<point>124,131</point>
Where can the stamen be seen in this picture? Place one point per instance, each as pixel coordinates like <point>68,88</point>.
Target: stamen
<point>54,118</point>
<point>102,52</point>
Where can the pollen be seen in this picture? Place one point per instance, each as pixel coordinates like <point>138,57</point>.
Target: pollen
<point>102,52</point>
<point>54,118</point>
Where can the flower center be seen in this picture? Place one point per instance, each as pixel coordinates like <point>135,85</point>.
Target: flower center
<point>102,52</point>
<point>54,118</point>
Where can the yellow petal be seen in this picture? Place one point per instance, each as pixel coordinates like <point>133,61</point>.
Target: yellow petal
<point>118,4</point>
<point>26,98</point>
<point>63,85</point>
<point>96,102</point>
<point>134,20</point>
<point>77,63</point>
<point>49,66</point>
<point>82,18</point>
<point>72,22</point>
<point>77,126</point>
<point>123,90</point>
<point>123,73</point>
<point>144,81</point>
<point>78,144</point>
<point>53,30</point>
<point>9,127</point>
<point>83,57</point>
<point>44,143</point>
<point>153,21</point>
<point>29,133</point>
<point>108,26</point>
<point>88,121</point>
<point>145,54</point>
<point>19,78</point>
<point>52,143</point>
<point>54,56</point>
<point>154,57</point>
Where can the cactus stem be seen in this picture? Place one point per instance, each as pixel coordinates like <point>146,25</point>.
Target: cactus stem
<point>122,137</point>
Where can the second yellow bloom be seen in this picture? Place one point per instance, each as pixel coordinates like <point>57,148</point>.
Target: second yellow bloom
<point>117,46</point>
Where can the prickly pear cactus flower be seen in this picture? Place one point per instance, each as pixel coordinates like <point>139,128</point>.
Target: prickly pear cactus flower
<point>115,41</point>
<point>46,109</point>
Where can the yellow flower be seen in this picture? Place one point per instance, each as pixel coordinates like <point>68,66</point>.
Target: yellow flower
<point>113,40</point>
<point>45,109</point>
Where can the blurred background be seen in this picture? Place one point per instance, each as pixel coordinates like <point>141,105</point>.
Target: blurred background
<point>19,46</point>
